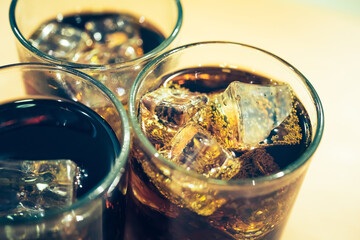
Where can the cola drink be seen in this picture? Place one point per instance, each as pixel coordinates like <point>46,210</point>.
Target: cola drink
<point>54,152</point>
<point>216,129</point>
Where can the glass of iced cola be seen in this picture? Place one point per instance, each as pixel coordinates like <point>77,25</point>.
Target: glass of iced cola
<point>223,136</point>
<point>110,40</point>
<point>62,158</point>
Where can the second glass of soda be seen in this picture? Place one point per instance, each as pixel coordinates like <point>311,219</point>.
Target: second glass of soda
<point>109,40</point>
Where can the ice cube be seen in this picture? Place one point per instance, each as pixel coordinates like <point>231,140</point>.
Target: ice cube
<point>102,29</point>
<point>117,40</point>
<point>165,110</point>
<point>60,40</point>
<point>195,149</point>
<point>104,54</point>
<point>28,188</point>
<point>244,114</point>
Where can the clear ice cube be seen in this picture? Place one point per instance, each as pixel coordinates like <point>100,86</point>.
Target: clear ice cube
<point>244,114</point>
<point>102,29</point>
<point>104,54</point>
<point>195,149</point>
<point>28,188</point>
<point>165,110</point>
<point>60,40</point>
<point>117,39</point>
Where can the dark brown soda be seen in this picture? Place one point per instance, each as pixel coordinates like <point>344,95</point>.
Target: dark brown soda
<point>46,129</point>
<point>151,216</point>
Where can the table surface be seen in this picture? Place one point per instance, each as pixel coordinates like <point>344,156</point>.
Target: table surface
<point>322,41</point>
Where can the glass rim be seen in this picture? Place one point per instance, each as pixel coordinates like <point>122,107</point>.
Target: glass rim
<point>15,29</point>
<point>150,149</point>
<point>120,161</point>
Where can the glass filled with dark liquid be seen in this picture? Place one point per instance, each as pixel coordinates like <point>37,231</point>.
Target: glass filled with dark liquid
<point>109,40</point>
<point>223,136</point>
<point>63,156</point>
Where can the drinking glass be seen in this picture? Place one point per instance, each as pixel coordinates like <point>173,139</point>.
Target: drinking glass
<point>164,15</point>
<point>169,201</point>
<point>42,131</point>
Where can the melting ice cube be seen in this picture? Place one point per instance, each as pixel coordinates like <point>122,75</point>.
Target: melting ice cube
<point>244,114</point>
<point>195,149</point>
<point>29,188</point>
<point>103,54</point>
<point>117,40</point>
<point>102,28</point>
<point>60,40</point>
<point>165,110</point>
